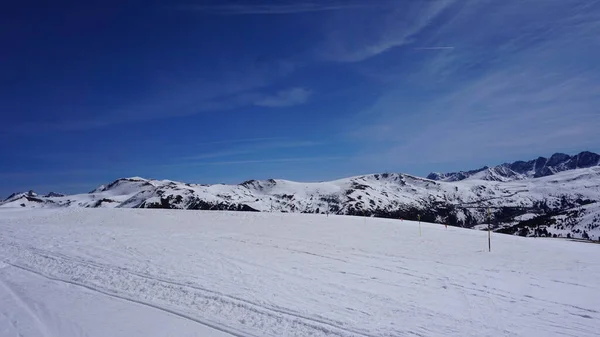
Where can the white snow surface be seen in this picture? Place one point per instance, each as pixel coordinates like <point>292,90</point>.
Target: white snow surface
<point>132,272</point>
<point>34,305</point>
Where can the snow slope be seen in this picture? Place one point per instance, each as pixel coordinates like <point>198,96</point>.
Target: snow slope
<point>275,274</point>
<point>33,305</point>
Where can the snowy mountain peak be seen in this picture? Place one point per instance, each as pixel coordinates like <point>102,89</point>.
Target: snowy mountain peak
<point>454,176</point>
<point>123,183</point>
<point>19,195</point>
<point>134,179</point>
<point>98,189</point>
<point>519,170</point>
<point>259,184</point>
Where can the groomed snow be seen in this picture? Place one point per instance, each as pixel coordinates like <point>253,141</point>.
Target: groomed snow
<point>132,272</point>
<point>32,305</point>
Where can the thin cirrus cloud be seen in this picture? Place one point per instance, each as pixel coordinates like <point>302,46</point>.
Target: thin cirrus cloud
<point>177,107</point>
<point>435,48</point>
<point>532,91</point>
<point>243,140</point>
<point>275,8</point>
<point>233,89</point>
<point>397,27</point>
<point>285,98</point>
<point>259,161</point>
<point>254,147</point>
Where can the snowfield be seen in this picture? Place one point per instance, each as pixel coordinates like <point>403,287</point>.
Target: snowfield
<point>141,272</point>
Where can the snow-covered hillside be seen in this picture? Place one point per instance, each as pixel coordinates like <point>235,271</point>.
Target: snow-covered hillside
<point>562,204</point>
<point>132,272</point>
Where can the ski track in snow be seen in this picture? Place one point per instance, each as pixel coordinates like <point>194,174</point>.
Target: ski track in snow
<point>250,274</point>
<point>172,294</point>
<point>39,325</point>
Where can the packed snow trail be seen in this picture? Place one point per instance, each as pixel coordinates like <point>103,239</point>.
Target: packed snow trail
<point>260,274</point>
<point>32,306</point>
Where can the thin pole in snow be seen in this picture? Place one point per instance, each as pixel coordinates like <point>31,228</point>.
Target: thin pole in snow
<point>489,231</point>
<point>419,217</point>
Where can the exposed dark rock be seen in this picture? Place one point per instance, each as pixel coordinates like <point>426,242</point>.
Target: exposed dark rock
<point>53,195</point>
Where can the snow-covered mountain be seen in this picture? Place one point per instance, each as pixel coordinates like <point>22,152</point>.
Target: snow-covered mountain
<point>520,170</point>
<point>29,196</point>
<point>21,195</point>
<point>565,203</point>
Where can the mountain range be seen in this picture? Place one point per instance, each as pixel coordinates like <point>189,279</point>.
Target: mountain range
<point>519,170</point>
<point>557,196</point>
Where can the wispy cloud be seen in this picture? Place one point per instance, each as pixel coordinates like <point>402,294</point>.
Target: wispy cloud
<point>259,161</point>
<point>253,147</point>
<point>524,89</point>
<point>234,88</point>
<point>285,98</point>
<point>275,8</point>
<point>434,48</point>
<point>243,140</point>
<point>348,42</point>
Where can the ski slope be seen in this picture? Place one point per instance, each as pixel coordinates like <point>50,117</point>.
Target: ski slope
<point>32,305</point>
<point>134,272</point>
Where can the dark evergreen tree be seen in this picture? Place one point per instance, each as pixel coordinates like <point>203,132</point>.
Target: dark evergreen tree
<point>585,235</point>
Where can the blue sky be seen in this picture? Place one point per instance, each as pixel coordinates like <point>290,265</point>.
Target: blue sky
<point>217,91</point>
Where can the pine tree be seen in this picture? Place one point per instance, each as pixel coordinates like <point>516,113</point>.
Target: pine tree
<point>585,235</point>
